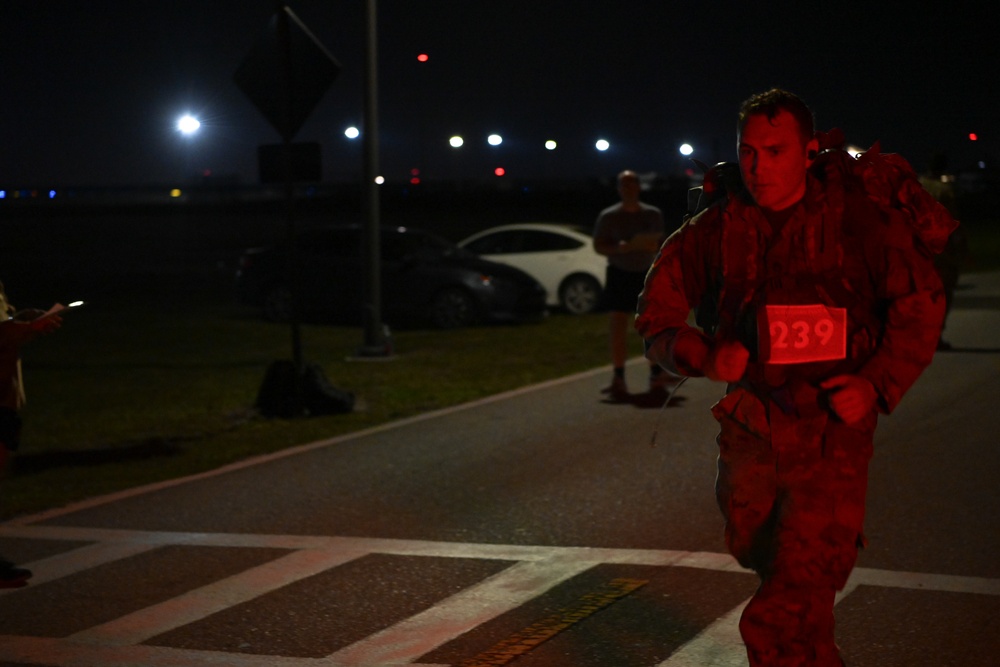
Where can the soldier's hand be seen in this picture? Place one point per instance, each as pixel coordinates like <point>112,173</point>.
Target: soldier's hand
<point>726,361</point>
<point>851,397</point>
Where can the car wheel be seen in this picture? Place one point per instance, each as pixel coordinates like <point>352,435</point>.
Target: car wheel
<point>277,304</point>
<point>579,295</point>
<point>453,308</point>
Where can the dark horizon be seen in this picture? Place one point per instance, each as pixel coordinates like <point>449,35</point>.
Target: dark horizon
<point>95,89</point>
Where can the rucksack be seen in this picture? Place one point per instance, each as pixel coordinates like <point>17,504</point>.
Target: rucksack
<point>887,178</point>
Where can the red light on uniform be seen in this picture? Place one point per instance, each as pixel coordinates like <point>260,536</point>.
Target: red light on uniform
<point>973,136</point>
<point>499,171</point>
<point>423,57</point>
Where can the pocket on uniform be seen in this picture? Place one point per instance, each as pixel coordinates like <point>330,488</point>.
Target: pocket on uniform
<point>745,409</point>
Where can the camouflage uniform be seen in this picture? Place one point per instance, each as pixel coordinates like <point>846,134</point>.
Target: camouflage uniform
<point>792,477</point>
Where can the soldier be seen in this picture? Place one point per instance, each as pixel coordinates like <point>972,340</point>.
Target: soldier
<point>824,308</point>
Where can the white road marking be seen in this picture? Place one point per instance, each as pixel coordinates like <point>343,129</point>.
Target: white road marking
<point>84,558</point>
<point>496,595</point>
<point>200,603</point>
<point>535,570</point>
<point>718,645</point>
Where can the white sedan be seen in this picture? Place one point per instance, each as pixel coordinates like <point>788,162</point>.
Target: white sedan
<point>560,257</point>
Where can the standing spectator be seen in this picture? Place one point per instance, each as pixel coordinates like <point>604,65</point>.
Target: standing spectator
<point>628,233</point>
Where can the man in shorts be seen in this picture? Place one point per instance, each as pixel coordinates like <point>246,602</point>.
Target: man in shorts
<point>629,234</point>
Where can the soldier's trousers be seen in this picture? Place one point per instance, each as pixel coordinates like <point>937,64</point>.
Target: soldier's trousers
<point>794,507</point>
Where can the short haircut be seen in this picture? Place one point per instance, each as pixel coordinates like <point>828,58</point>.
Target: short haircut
<point>628,174</point>
<point>773,101</point>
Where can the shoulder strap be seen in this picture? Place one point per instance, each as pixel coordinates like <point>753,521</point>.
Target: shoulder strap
<point>719,181</point>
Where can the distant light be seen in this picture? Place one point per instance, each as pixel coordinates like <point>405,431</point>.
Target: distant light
<point>456,141</point>
<point>686,149</point>
<point>550,145</point>
<point>52,194</point>
<point>973,136</point>
<point>602,145</point>
<point>379,180</point>
<point>188,124</point>
<point>175,193</point>
<point>494,140</point>
<point>415,180</point>
<point>352,132</point>
<point>499,171</point>
<point>982,164</point>
<point>3,194</point>
<point>423,57</point>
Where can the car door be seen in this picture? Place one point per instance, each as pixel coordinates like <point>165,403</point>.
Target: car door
<point>543,254</point>
<point>331,273</point>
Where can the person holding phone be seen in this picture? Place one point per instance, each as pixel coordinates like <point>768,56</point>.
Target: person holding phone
<point>16,329</point>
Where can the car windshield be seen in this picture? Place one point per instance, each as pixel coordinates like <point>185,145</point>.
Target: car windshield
<point>410,244</point>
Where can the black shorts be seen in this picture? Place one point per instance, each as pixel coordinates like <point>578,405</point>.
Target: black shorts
<point>621,289</point>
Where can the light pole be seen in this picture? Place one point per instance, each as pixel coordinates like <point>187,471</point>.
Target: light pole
<point>375,342</point>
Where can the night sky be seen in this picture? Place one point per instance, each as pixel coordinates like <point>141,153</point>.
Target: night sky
<point>92,90</point>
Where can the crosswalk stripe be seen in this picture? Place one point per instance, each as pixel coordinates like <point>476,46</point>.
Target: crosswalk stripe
<point>81,559</point>
<point>464,611</point>
<point>199,603</point>
<point>63,653</point>
<point>534,571</point>
<point>663,558</point>
<point>719,645</point>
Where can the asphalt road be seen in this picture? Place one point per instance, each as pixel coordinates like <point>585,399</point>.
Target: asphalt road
<point>543,527</point>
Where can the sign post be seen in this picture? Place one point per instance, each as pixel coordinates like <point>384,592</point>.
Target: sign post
<point>285,75</point>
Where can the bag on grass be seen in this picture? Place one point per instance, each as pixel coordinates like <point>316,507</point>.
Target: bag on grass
<point>287,393</point>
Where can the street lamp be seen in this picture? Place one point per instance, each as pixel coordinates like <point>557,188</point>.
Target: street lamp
<point>188,125</point>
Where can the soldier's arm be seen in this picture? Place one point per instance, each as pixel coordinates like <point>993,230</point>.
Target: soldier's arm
<point>914,314</point>
<point>675,282</point>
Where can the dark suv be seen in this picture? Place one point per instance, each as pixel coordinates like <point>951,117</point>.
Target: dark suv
<point>425,280</point>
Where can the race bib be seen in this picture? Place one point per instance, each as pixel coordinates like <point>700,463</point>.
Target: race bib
<point>801,334</point>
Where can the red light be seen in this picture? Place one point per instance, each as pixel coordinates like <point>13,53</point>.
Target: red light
<point>423,57</point>
<point>414,172</point>
<point>973,136</point>
<point>499,171</point>
<point>415,181</point>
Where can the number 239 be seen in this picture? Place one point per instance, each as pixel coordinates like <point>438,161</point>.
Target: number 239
<point>800,334</point>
